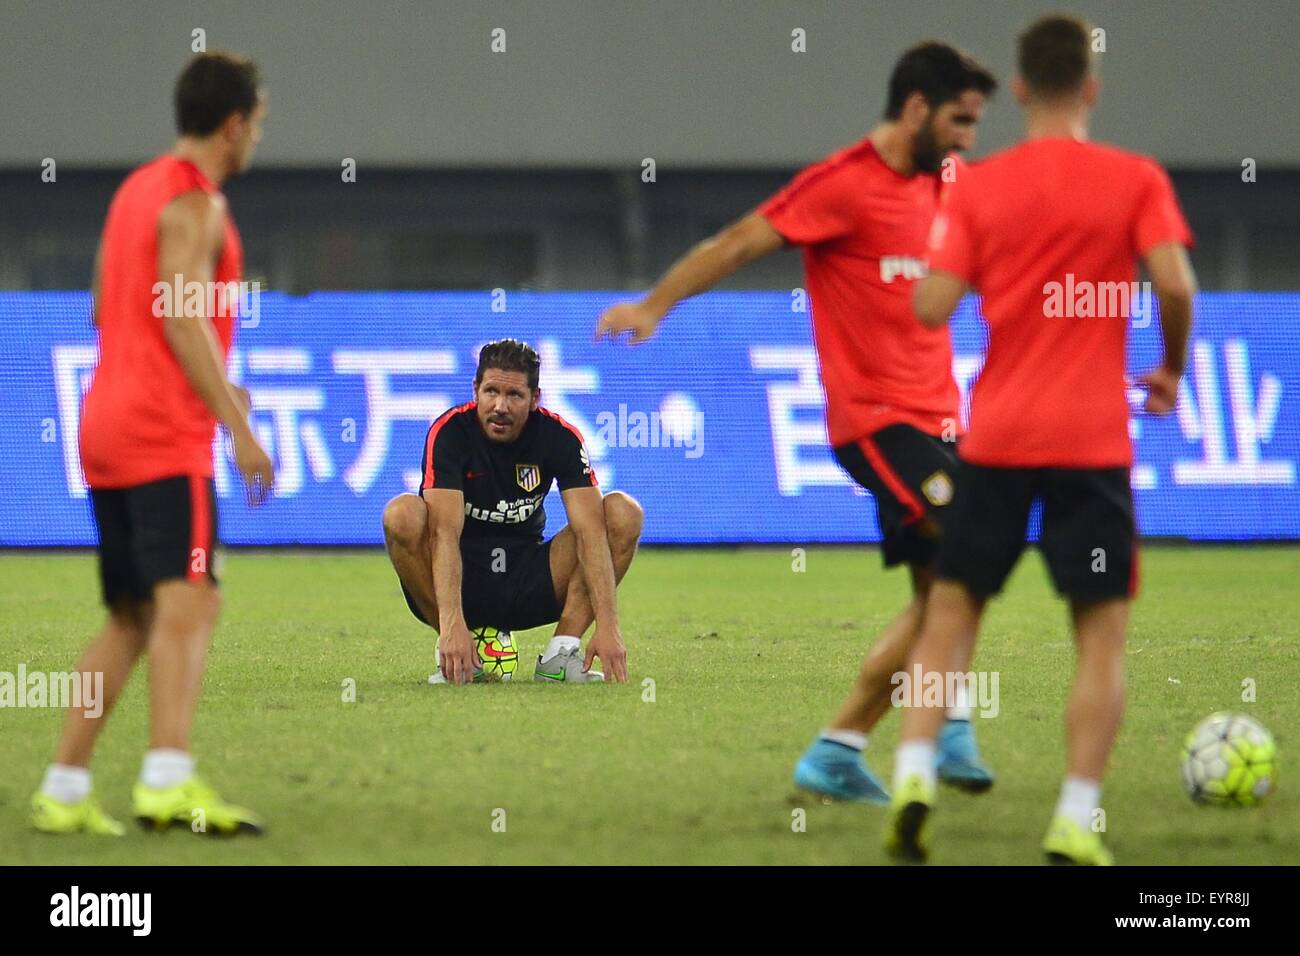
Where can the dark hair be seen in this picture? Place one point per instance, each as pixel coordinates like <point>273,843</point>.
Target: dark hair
<point>1055,55</point>
<point>938,72</point>
<point>509,355</point>
<point>210,88</point>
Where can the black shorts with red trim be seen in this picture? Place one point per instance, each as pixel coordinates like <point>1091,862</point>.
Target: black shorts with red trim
<point>159,531</point>
<point>912,476</point>
<point>1088,538</point>
<point>503,584</point>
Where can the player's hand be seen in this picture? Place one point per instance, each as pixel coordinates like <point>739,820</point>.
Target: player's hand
<point>607,644</point>
<point>1162,390</point>
<point>255,465</point>
<point>635,317</point>
<point>458,655</point>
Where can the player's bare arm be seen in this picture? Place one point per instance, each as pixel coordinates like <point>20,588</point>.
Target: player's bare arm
<point>935,298</point>
<point>586,511</point>
<point>190,233</point>
<point>1175,287</point>
<point>699,270</point>
<point>446,509</point>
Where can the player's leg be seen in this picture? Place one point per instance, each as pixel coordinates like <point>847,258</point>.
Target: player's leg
<point>951,614</point>
<point>174,524</point>
<point>911,475</point>
<point>65,803</point>
<point>833,767</point>
<point>1088,542</point>
<point>982,543</point>
<point>1092,720</point>
<point>623,521</point>
<point>185,616</point>
<point>409,541</point>
<point>868,700</point>
<point>1096,705</point>
<point>959,761</point>
<point>113,653</point>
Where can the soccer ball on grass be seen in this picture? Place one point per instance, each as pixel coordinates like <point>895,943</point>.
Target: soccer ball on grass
<point>497,651</point>
<point>1229,760</point>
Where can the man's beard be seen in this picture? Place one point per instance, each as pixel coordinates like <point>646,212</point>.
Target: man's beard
<point>925,151</point>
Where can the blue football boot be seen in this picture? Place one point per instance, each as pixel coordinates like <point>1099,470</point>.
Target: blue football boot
<point>833,770</point>
<point>958,760</point>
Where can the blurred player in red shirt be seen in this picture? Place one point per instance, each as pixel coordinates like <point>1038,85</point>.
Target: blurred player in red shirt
<point>862,216</point>
<point>1049,232</point>
<point>165,301</point>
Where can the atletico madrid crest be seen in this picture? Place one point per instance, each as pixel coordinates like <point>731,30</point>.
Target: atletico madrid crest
<point>528,477</point>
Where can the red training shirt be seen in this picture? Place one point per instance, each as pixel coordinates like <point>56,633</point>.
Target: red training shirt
<point>863,230</point>
<point>142,420</point>
<point>1045,231</point>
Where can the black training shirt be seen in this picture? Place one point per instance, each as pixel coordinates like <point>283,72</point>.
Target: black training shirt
<point>504,483</point>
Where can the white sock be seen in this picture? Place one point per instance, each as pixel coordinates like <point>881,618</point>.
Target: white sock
<point>849,738</point>
<point>915,758</point>
<point>65,783</point>
<point>165,768</point>
<point>559,643</point>
<point>960,709</point>
<point>1079,798</point>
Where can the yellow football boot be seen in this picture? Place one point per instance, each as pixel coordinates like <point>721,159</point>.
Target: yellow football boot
<point>1068,843</point>
<point>194,805</point>
<point>905,837</point>
<point>55,816</point>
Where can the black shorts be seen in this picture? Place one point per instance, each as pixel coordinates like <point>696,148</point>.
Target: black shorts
<point>504,584</point>
<point>154,532</point>
<point>1088,538</point>
<point>912,476</point>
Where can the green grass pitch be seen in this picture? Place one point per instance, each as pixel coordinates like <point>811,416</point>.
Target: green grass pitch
<point>748,659</point>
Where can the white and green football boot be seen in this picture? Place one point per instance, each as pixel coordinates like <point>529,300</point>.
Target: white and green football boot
<point>565,667</point>
<point>437,677</point>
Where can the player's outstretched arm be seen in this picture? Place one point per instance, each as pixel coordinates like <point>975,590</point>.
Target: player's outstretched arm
<point>699,270</point>
<point>586,511</point>
<point>935,297</point>
<point>190,232</point>
<point>1175,286</point>
<point>446,508</point>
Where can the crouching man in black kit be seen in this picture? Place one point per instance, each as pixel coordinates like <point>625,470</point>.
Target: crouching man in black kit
<point>469,549</point>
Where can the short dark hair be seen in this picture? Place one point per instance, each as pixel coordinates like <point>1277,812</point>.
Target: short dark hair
<point>1055,55</point>
<point>509,355</point>
<point>210,88</point>
<point>937,71</point>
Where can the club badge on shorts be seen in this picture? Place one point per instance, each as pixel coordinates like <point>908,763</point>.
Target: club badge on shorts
<point>938,489</point>
<point>528,477</point>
